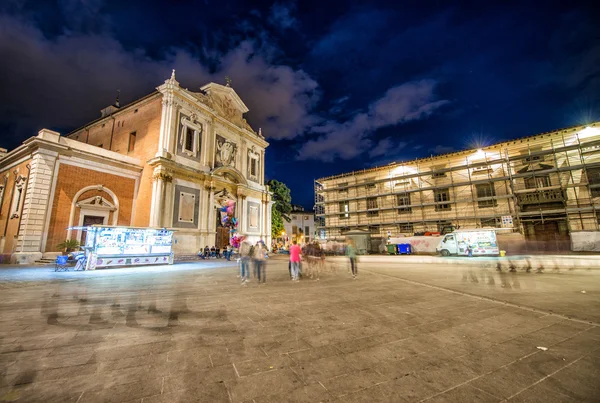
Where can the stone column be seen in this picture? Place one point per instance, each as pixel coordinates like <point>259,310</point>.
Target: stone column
<point>33,212</point>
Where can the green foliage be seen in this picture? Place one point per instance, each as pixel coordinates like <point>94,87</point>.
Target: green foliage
<point>282,199</point>
<point>68,245</point>
<point>276,224</point>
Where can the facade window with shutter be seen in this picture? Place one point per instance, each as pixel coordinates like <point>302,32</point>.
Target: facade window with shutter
<point>344,209</point>
<point>372,204</point>
<point>486,190</point>
<point>540,181</point>
<point>442,195</point>
<point>406,228</point>
<point>593,177</point>
<point>403,199</point>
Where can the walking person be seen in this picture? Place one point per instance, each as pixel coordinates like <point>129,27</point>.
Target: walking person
<point>351,253</point>
<point>295,254</point>
<point>245,262</point>
<point>259,262</point>
<point>228,252</point>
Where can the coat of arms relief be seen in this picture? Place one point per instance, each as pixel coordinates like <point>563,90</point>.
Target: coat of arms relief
<point>225,152</point>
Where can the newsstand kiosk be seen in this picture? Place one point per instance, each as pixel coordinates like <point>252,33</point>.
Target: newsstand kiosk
<point>107,246</point>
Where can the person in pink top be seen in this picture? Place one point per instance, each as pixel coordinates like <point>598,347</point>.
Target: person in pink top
<point>295,253</point>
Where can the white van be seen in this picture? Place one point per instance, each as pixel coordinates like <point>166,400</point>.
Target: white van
<point>481,241</point>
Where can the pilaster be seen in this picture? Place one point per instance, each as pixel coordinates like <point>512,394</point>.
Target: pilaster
<point>35,205</point>
<point>157,207</point>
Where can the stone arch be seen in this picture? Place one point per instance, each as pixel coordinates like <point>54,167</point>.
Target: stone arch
<point>230,174</point>
<point>111,206</point>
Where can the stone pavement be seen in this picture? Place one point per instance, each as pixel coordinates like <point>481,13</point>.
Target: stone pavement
<point>190,332</point>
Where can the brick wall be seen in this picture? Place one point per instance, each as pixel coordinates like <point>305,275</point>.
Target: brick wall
<point>144,119</point>
<point>71,179</point>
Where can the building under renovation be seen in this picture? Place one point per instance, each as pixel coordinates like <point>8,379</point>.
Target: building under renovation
<point>546,187</point>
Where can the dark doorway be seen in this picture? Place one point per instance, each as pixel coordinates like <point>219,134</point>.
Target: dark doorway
<point>87,221</point>
<point>222,236</point>
<point>547,236</point>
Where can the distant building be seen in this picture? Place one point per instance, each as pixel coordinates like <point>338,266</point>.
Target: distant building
<point>302,226</point>
<point>170,159</point>
<point>547,187</point>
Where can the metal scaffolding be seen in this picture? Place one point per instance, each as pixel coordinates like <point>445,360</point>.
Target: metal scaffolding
<point>540,179</point>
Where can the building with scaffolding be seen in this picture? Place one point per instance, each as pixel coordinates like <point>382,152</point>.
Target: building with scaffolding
<point>546,187</point>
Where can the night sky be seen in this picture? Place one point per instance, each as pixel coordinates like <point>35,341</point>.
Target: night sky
<point>335,86</point>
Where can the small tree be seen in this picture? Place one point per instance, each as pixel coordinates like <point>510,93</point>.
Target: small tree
<point>276,224</point>
<point>68,245</point>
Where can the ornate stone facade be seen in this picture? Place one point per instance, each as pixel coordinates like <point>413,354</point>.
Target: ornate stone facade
<point>170,159</point>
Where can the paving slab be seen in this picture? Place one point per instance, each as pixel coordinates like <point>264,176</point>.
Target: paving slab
<point>399,333</point>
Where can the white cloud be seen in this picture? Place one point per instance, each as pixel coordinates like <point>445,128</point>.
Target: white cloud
<point>63,82</point>
<point>410,101</point>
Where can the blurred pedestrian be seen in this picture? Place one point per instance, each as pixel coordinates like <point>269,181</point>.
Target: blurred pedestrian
<point>351,253</point>
<point>228,252</point>
<point>245,261</point>
<point>259,257</point>
<point>295,254</point>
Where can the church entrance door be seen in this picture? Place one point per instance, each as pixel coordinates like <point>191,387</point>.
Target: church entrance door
<point>87,221</point>
<point>222,238</point>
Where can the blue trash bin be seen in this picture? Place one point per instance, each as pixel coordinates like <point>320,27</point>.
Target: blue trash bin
<point>404,249</point>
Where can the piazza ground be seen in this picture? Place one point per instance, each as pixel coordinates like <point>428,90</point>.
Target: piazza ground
<point>401,332</point>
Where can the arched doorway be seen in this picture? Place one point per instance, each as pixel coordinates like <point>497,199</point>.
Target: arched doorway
<point>225,205</point>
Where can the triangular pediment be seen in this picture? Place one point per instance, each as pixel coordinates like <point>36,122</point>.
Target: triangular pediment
<point>225,96</point>
<point>97,203</point>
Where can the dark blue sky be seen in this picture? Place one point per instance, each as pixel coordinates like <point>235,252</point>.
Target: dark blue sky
<point>335,86</point>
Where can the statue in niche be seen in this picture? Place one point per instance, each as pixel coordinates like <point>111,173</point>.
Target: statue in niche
<point>225,152</point>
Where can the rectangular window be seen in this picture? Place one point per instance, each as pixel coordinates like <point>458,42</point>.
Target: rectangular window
<point>131,146</point>
<point>488,222</point>
<point>343,187</point>
<point>372,204</point>
<point>406,228</point>
<point>188,143</point>
<point>442,195</point>
<point>593,177</point>
<point>370,183</point>
<point>344,208</point>
<point>438,175</point>
<point>17,203</point>
<point>374,229</point>
<point>253,164</point>
<point>306,233</point>
<point>403,199</point>
<point>485,190</point>
<point>294,229</point>
<point>534,182</point>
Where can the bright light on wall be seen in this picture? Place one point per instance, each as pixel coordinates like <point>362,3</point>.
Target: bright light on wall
<point>588,132</point>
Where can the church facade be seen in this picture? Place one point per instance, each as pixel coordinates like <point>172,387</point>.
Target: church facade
<point>172,159</point>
